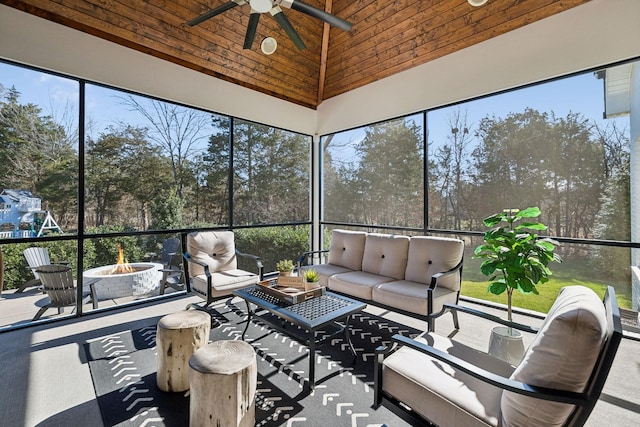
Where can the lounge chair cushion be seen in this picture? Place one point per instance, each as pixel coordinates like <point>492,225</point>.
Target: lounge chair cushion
<point>347,248</point>
<point>437,391</point>
<point>224,282</point>
<point>214,248</point>
<point>561,356</point>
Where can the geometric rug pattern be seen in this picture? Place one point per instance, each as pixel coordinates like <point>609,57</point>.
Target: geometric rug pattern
<point>123,369</point>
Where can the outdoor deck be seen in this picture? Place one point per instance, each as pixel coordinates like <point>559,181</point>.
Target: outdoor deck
<point>47,382</point>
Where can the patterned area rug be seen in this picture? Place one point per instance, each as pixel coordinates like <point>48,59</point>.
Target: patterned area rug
<point>123,368</point>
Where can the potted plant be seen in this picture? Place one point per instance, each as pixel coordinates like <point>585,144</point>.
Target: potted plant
<point>515,257</point>
<point>311,279</point>
<point>285,267</point>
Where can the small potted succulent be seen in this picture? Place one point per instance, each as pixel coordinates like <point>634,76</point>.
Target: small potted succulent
<point>311,279</point>
<point>285,267</point>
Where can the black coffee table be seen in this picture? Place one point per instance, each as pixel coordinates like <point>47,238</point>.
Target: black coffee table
<point>310,315</point>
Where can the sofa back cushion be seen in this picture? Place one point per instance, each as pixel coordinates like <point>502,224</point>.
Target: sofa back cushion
<point>386,255</point>
<point>215,248</point>
<point>346,248</point>
<point>430,255</point>
<point>561,356</point>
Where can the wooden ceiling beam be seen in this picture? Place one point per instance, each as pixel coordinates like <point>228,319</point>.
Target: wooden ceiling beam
<point>324,51</point>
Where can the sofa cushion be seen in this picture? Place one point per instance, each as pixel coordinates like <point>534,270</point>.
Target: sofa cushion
<point>562,356</point>
<point>327,270</point>
<point>386,255</point>
<point>429,255</point>
<point>412,296</point>
<point>346,249</point>
<point>436,391</point>
<point>358,284</point>
<point>214,248</point>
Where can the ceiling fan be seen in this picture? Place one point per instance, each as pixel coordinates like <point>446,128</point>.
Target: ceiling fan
<point>259,7</point>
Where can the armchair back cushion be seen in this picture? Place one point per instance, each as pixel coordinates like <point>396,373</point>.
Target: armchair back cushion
<point>562,356</point>
<point>385,255</point>
<point>346,248</point>
<point>214,248</point>
<point>430,255</point>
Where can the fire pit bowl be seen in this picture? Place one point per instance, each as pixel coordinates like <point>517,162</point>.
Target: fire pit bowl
<point>143,279</point>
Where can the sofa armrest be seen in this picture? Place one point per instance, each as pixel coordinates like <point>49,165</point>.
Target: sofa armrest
<point>435,277</point>
<point>305,255</point>
<point>256,258</point>
<point>491,378</point>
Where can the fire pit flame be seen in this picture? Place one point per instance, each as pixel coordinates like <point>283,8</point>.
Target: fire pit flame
<point>122,265</point>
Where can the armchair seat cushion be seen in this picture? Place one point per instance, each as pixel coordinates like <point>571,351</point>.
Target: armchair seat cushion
<point>437,391</point>
<point>412,296</point>
<point>224,282</point>
<point>358,284</point>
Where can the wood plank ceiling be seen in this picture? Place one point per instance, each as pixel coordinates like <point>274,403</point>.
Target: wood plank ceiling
<point>387,37</point>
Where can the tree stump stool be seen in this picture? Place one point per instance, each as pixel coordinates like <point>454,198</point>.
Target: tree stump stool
<point>223,379</point>
<point>178,335</point>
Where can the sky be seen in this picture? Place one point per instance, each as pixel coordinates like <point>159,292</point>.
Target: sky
<point>582,93</point>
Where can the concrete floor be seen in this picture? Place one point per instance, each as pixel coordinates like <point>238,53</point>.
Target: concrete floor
<point>45,378</point>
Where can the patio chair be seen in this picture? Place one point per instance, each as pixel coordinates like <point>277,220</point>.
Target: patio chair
<point>58,284</point>
<point>35,257</point>
<point>434,379</point>
<point>171,260</point>
<point>211,266</point>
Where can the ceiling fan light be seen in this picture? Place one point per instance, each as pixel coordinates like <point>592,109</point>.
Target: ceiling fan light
<point>475,3</point>
<point>262,6</point>
<point>268,45</point>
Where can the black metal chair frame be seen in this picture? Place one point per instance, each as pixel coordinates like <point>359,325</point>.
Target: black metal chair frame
<point>584,402</point>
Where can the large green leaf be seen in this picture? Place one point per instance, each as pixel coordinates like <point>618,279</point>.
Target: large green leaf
<point>532,212</point>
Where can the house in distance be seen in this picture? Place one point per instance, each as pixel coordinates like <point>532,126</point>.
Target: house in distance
<point>21,215</point>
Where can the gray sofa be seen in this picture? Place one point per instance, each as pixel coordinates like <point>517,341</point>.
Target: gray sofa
<point>412,275</point>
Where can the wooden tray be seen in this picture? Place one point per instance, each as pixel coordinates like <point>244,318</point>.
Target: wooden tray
<point>289,294</point>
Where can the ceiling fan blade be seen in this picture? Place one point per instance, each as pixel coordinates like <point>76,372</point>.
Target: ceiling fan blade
<point>284,23</point>
<point>251,29</point>
<point>216,11</point>
<point>317,13</point>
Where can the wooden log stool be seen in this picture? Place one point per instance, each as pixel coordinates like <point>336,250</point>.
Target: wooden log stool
<point>223,379</point>
<point>178,335</point>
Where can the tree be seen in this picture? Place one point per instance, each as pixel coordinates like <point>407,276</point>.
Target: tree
<point>123,163</point>
<point>450,175</point>
<point>390,173</point>
<point>271,174</point>
<point>177,131</point>
<point>38,154</point>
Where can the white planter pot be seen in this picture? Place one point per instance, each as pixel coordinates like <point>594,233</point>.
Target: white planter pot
<point>308,286</point>
<point>506,344</point>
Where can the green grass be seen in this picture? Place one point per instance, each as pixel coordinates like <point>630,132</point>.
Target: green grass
<point>474,284</point>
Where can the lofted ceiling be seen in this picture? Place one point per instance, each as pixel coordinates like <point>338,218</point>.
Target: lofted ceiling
<point>387,37</point>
